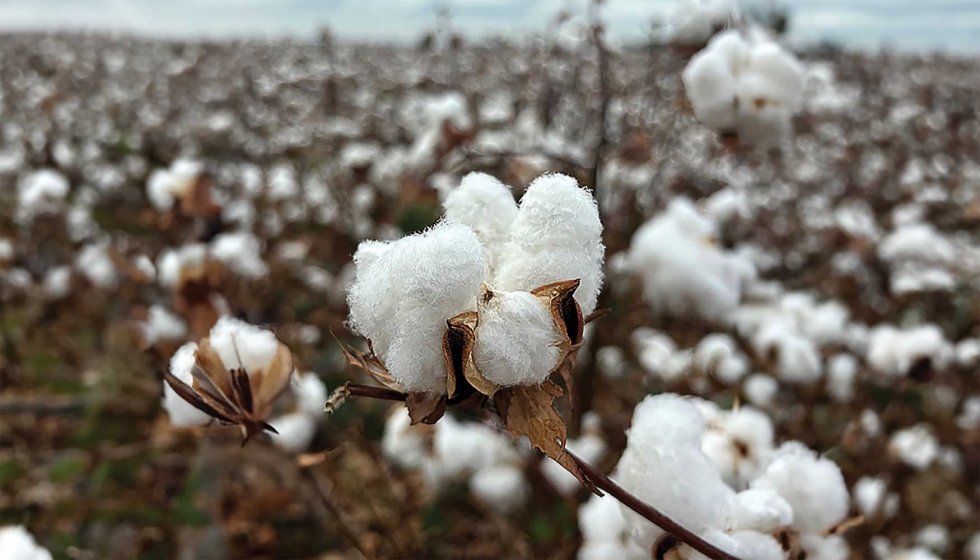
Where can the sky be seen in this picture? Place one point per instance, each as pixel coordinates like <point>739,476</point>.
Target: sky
<point>950,25</point>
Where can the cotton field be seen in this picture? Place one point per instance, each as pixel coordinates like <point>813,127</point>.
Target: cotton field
<point>553,297</point>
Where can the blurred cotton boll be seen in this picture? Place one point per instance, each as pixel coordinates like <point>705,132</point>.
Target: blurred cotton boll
<point>17,544</point>
<point>182,414</point>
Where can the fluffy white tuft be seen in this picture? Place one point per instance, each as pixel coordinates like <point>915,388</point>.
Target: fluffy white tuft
<point>516,338</point>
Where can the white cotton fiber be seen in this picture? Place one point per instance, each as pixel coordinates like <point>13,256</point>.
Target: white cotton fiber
<point>403,443</point>
<point>405,291</point>
<point>709,81</point>
<point>915,446</point>
<point>241,252</point>
<point>503,487</point>
<point>181,413</point>
<point>487,206</point>
<point>893,352</point>
<point>161,324</point>
<point>234,339</point>
<point>165,185</point>
<point>556,236</point>
<point>39,192</point>
<point>841,373</point>
<point>516,338</point>
<point>830,547</point>
<point>760,389</point>
<point>95,263</point>
<point>663,464</point>
<point>683,273</point>
<point>760,510</point>
<point>695,21</point>
<point>172,261</point>
<point>16,543</point>
<point>296,431</point>
<point>813,486</point>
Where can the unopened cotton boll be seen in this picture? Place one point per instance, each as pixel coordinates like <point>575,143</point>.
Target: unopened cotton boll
<point>812,485</point>
<point>556,236</point>
<point>241,252</point>
<point>488,207</point>
<point>503,487</point>
<point>516,338</point>
<point>405,291</point>
<point>16,543</point>
<point>182,413</point>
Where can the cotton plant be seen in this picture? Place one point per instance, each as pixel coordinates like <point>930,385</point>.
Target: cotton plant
<point>454,451</point>
<point>40,192</point>
<point>684,273</point>
<point>233,376</point>
<point>405,291</point>
<point>745,84</point>
<point>789,495</point>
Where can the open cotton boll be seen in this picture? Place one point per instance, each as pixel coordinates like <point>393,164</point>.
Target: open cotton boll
<point>240,344</point>
<point>466,447</point>
<point>760,389</point>
<point>488,207</point>
<point>40,192</point>
<point>717,354</point>
<point>893,352</point>
<point>969,416</point>
<point>967,352</point>
<point>797,359</point>
<point>663,464</point>
<point>403,443</point>
<point>503,487</point>
<point>611,362</point>
<point>296,431</point>
<point>556,236</point>
<point>841,372</point>
<point>241,252</point>
<point>182,413</point>
<point>165,185</point>
<point>935,537</point>
<point>769,92</point>
<point>741,544</point>
<point>57,282</point>
<point>172,261</point>
<point>917,242</point>
<point>760,510</point>
<point>813,486</point>
<point>872,499</point>
<point>516,338</point>
<point>95,263</point>
<point>604,531</point>
<point>404,292</point>
<point>695,21</point>
<point>710,86</point>
<point>915,446</point>
<point>16,543</point>
<point>310,392</point>
<point>161,324</point>
<point>829,547</point>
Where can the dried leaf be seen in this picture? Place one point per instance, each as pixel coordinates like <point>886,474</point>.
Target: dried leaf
<point>371,365</point>
<point>457,349</point>
<point>425,408</point>
<point>530,411</point>
<point>187,393</point>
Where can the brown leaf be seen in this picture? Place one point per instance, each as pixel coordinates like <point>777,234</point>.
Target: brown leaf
<point>529,411</point>
<point>425,408</point>
<point>457,349</point>
<point>371,365</point>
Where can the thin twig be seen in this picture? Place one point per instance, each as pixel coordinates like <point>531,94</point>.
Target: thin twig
<point>376,392</point>
<point>649,512</point>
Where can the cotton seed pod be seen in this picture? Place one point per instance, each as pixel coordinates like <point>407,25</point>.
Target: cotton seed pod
<point>233,386</point>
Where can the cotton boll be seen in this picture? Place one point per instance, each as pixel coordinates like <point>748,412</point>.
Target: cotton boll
<point>311,393</point>
<point>813,486</point>
<point>57,282</point>
<point>463,448</point>
<point>797,358</point>
<point>39,192</point>
<point>240,344</point>
<point>171,262</point>
<point>663,444</point>
<point>165,185</point>
<point>18,544</point>
<point>934,537</point>
<point>182,414</point>
<point>760,389</point>
<point>296,431</point>
<point>841,372</point>
<point>870,495</point>
<point>830,547</point>
<point>915,446</point>
<point>516,338</point>
<point>694,21</point>
<point>503,487</point>
<point>710,85</point>
<point>611,362</point>
<point>6,250</point>
<point>742,544</point>
<point>556,236</point>
<point>161,324</point>
<point>404,292</point>
<point>403,443</point>
<point>95,263</point>
<point>241,252</point>
<point>718,355</point>
<point>893,352</point>
<point>761,510</point>
<point>488,207</point>
<point>967,353</point>
<point>917,242</point>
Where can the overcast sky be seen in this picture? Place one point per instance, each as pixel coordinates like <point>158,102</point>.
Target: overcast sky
<point>905,24</point>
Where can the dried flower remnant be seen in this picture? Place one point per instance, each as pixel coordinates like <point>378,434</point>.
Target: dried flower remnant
<point>235,376</point>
